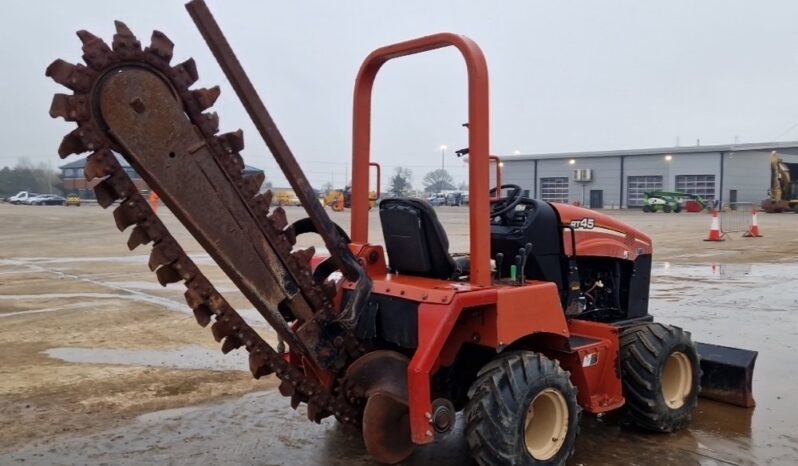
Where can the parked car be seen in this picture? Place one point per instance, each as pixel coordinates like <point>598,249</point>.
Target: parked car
<point>437,200</point>
<point>46,199</point>
<point>73,199</point>
<point>21,197</point>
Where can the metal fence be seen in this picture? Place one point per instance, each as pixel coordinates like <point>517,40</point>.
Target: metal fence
<point>736,217</point>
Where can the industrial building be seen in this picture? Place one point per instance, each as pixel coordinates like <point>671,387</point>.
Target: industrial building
<point>618,178</point>
<point>75,181</point>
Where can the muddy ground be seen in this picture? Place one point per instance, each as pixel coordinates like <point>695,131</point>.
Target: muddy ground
<point>100,365</point>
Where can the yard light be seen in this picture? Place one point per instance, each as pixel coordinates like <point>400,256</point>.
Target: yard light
<point>668,158</point>
<point>571,162</point>
<point>516,152</point>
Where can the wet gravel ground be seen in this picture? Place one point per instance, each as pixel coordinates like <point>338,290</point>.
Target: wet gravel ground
<point>711,292</point>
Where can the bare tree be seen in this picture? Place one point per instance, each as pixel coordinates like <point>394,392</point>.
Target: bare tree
<point>438,180</point>
<point>401,181</point>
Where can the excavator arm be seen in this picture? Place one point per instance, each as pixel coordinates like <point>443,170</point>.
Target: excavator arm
<point>131,101</point>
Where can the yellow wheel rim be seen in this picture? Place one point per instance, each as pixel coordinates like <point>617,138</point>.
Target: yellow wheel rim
<point>546,424</point>
<point>677,380</point>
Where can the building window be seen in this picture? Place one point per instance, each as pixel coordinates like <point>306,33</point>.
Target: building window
<point>702,185</point>
<point>554,189</point>
<point>637,185</point>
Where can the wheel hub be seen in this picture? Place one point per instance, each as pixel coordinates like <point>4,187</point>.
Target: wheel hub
<point>677,380</point>
<point>546,424</point>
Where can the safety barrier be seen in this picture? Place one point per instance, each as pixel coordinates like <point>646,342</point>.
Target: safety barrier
<point>735,217</point>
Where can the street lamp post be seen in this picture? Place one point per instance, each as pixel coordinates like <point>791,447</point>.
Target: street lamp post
<point>443,153</point>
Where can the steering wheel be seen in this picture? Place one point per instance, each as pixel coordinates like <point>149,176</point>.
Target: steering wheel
<point>505,205</point>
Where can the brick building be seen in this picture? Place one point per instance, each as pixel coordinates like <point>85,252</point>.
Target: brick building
<point>75,181</point>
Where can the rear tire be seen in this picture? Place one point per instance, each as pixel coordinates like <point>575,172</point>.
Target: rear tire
<point>646,208</point>
<point>661,376</point>
<point>522,410</point>
<point>667,209</point>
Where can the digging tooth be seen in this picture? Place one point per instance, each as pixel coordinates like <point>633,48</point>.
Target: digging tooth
<point>124,40</point>
<point>203,315</point>
<point>106,193</point>
<point>209,123</point>
<point>303,256</point>
<point>233,141</point>
<point>168,274</point>
<point>206,97</point>
<point>287,389</point>
<point>258,365</point>
<point>237,162</point>
<point>231,343</point>
<point>262,203</point>
<point>296,398</point>
<point>69,107</point>
<point>315,412</point>
<point>97,165</point>
<point>161,46</point>
<point>278,219</point>
<point>221,329</point>
<point>71,144</point>
<point>193,297</point>
<point>267,198</point>
<point>250,185</point>
<point>185,73</point>
<point>138,237</point>
<point>290,235</point>
<point>96,53</point>
<point>127,214</point>
<point>162,254</point>
<point>154,229</point>
<point>73,77</point>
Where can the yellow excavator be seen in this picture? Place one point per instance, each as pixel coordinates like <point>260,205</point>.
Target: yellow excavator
<point>783,190</point>
<point>340,200</point>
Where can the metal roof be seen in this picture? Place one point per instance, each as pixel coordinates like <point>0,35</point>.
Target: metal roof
<point>754,146</point>
<point>248,169</point>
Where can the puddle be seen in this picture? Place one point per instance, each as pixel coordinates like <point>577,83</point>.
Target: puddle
<point>187,358</point>
<point>749,306</point>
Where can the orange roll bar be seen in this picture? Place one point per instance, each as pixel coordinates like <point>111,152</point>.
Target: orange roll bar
<point>478,141</point>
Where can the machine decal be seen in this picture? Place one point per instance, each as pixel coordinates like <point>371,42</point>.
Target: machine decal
<point>590,360</point>
<point>583,224</point>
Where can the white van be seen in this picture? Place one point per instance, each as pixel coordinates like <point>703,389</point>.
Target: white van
<point>21,197</point>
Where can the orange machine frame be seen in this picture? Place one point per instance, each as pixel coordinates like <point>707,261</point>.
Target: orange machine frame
<point>451,314</point>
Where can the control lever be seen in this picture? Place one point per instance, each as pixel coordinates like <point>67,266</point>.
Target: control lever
<point>524,257</point>
<point>499,260</point>
<point>519,260</point>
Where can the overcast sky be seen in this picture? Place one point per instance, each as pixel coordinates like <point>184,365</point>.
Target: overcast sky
<point>565,76</point>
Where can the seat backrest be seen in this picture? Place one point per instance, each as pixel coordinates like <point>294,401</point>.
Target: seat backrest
<point>415,241</point>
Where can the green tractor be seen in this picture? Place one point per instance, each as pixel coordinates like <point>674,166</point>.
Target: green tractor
<point>663,201</point>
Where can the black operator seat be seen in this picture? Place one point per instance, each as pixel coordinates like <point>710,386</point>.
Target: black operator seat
<point>416,242</point>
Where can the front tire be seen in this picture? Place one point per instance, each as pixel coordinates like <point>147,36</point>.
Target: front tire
<point>522,410</point>
<point>661,376</point>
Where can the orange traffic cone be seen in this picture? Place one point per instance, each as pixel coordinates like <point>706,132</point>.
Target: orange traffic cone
<point>714,229</point>
<point>753,230</point>
<point>154,201</point>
